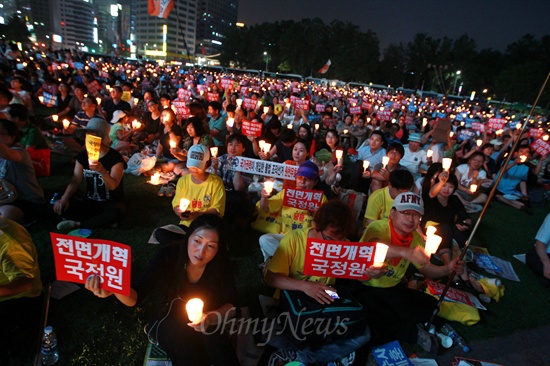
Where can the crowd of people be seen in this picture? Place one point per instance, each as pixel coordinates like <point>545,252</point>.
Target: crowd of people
<point>421,162</point>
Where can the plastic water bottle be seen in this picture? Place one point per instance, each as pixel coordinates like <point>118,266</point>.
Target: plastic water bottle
<point>49,347</point>
<point>54,199</point>
<point>457,339</point>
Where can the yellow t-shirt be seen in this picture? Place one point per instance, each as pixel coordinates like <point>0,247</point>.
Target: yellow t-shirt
<point>291,218</point>
<point>18,258</point>
<point>379,205</point>
<point>396,266</point>
<point>209,194</point>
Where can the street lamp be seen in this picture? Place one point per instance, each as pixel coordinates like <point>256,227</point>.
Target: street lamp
<point>456,77</point>
<point>266,56</point>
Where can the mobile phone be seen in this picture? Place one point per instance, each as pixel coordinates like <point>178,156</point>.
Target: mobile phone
<point>332,294</point>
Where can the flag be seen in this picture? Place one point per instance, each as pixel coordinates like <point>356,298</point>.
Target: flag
<point>160,8</point>
<point>325,67</point>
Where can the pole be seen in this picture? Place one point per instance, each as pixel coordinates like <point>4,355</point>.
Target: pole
<point>491,194</point>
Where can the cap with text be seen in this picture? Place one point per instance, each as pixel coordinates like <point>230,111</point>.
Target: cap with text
<point>409,201</point>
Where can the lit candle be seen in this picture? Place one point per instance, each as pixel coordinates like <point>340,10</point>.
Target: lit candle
<point>184,203</point>
<point>316,127</point>
<point>462,123</point>
<point>424,122</point>
<point>447,162</point>
<point>41,99</point>
<point>98,99</point>
<point>268,186</point>
<point>136,124</point>
<point>287,105</point>
<point>473,187</point>
<point>499,132</point>
<point>345,132</point>
<point>239,102</point>
<point>267,147</point>
<point>230,122</point>
<point>430,230</point>
<point>194,310</point>
<point>289,126</point>
<point>66,123</point>
<point>479,142</point>
<point>432,243</point>
<point>136,101</point>
<point>339,154</point>
<point>266,109</point>
<point>172,144</point>
<point>518,126</point>
<point>451,133</point>
<point>261,144</point>
<point>380,254</point>
<point>259,104</point>
<point>55,117</point>
<point>385,161</point>
<point>214,151</point>
<point>522,158</point>
<point>545,137</point>
<point>366,164</point>
<point>155,178</point>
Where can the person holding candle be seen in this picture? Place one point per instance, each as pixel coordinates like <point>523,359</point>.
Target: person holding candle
<point>512,188</point>
<point>381,172</point>
<point>150,122</point>
<point>414,157</point>
<point>115,103</point>
<point>195,267</point>
<point>470,174</point>
<point>372,150</point>
<point>218,127</point>
<point>393,309</point>
<point>333,221</point>
<point>104,203</point>
<point>170,131</point>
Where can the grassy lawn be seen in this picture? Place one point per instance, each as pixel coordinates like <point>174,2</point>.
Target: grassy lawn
<point>94,331</point>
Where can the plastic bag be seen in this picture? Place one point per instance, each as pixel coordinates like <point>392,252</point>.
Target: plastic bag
<point>140,163</point>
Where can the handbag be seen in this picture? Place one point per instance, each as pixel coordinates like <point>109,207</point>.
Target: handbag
<point>319,323</point>
<point>8,193</point>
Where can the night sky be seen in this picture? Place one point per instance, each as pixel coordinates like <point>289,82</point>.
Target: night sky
<point>491,23</point>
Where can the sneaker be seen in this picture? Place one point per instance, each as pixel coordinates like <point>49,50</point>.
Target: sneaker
<point>281,357</point>
<point>162,190</point>
<point>427,341</point>
<point>66,226</point>
<point>170,188</point>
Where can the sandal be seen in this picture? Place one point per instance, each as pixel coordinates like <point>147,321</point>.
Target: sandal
<point>170,188</point>
<point>162,190</point>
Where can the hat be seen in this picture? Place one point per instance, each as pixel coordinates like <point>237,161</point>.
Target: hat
<point>197,156</point>
<point>309,170</point>
<point>408,201</point>
<point>117,115</point>
<point>415,137</point>
<point>495,142</point>
<point>323,155</point>
<point>98,127</point>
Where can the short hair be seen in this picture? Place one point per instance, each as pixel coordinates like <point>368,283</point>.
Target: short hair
<point>334,213</point>
<point>231,108</point>
<point>379,133</point>
<point>525,147</point>
<point>165,96</point>
<point>91,99</point>
<point>397,147</point>
<point>238,138</point>
<point>11,129</point>
<point>401,179</point>
<point>18,111</point>
<point>288,135</point>
<point>117,88</point>
<point>81,87</point>
<point>4,92</point>
<point>475,155</point>
<point>215,105</point>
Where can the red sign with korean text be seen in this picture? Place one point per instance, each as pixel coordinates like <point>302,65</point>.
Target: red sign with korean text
<point>250,103</point>
<point>383,115</point>
<point>303,199</point>
<point>535,133</point>
<point>496,123</point>
<point>540,146</point>
<point>226,83</point>
<point>213,97</point>
<point>93,87</point>
<point>353,101</point>
<point>184,94</point>
<point>329,258</point>
<point>181,108</point>
<point>301,104</point>
<point>77,258</point>
<point>478,126</point>
<point>320,108</point>
<point>454,294</point>
<point>253,129</point>
<point>355,110</point>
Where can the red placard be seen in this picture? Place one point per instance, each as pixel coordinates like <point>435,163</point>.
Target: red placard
<point>329,258</point>
<point>353,101</point>
<point>478,126</point>
<point>250,103</point>
<point>452,294</point>
<point>303,199</point>
<point>540,146</point>
<point>296,90</point>
<point>93,87</point>
<point>76,258</point>
<point>320,108</point>
<point>253,129</point>
<point>383,115</point>
<point>535,133</point>
<point>226,83</point>
<point>301,104</point>
<point>181,108</point>
<point>184,94</point>
<point>409,120</point>
<point>213,97</point>
<point>496,123</point>
<point>355,110</point>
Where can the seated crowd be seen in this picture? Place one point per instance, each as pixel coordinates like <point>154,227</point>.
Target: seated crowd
<point>201,129</point>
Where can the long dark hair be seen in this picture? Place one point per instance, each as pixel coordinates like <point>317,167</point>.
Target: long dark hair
<point>198,126</point>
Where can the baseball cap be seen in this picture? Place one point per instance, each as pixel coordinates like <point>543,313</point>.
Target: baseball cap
<point>415,137</point>
<point>409,201</point>
<point>98,127</point>
<point>117,115</point>
<point>197,156</point>
<point>309,170</point>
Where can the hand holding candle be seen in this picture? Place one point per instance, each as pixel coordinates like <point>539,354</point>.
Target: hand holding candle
<point>55,117</point>
<point>136,124</point>
<point>432,243</point>
<point>66,123</point>
<point>366,164</point>
<point>447,162</point>
<point>230,122</point>
<point>473,188</point>
<point>184,203</point>
<point>339,155</point>
<point>268,186</point>
<point>214,151</point>
<point>429,153</point>
<point>155,178</point>
<point>380,254</point>
<point>172,144</point>
<point>385,161</point>
<point>194,310</point>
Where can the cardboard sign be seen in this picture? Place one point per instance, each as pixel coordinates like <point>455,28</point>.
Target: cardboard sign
<point>383,115</point>
<point>76,258</point>
<point>496,123</point>
<point>93,145</point>
<point>355,110</point>
<point>441,129</point>
<point>263,167</point>
<point>320,108</point>
<point>303,199</point>
<point>478,126</point>
<point>454,294</point>
<point>533,132</point>
<point>329,258</point>
<point>253,129</point>
<point>391,354</point>
<point>249,103</point>
<point>540,146</point>
<point>181,108</point>
<point>212,97</point>
<point>126,96</point>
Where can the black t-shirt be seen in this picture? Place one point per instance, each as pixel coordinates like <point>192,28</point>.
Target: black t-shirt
<point>95,185</point>
<point>435,211</point>
<point>164,140</point>
<point>152,126</point>
<point>109,107</point>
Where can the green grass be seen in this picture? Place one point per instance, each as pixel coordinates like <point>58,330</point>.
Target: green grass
<point>94,331</point>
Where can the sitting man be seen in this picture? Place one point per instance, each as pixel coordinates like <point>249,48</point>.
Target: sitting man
<point>20,288</point>
<point>394,310</point>
<point>333,221</point>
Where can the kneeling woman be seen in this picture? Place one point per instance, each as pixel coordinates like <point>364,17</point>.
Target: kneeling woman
<point>198,267</point>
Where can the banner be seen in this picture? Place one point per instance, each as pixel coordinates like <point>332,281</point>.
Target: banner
<point>325,67</point>
<point>540,146</point>
<point>93,145</point>
<point>303,199</point>
<point>253,129</point>
<point>329,258</point>
<point>301,104</point>
<point>160,8</point>
<point>353,102</point>
<point>454,294</point>
<point>226,83</point>
<point>535,133</point>
<point>263,167</point>
<point>93,88</point>
<point>478,126</point>
<point>77,258</point>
